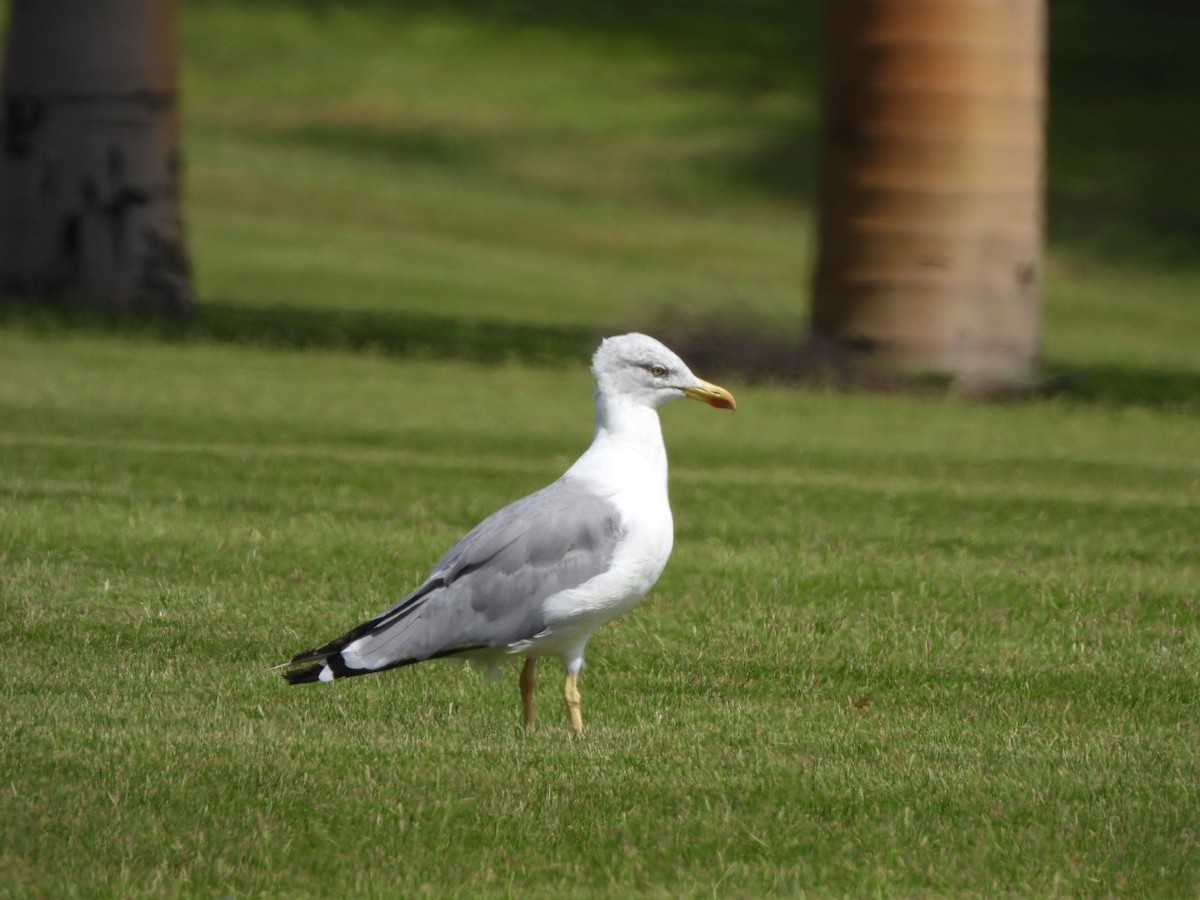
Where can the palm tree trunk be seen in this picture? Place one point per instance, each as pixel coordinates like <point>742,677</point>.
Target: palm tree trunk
<point>930,210</point>
<point>89,159</point>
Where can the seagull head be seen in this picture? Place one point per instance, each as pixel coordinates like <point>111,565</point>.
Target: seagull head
<point>642,371</point>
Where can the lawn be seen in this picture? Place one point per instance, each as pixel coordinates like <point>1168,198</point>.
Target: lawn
<point>906,645</point>
<point>436,164</point>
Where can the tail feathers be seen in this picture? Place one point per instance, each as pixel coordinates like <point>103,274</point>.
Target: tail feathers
<point>333,666</point>
<point>318,654</point>
<point>327,656</point>
<point>328,666</point>
<point>305,675</point>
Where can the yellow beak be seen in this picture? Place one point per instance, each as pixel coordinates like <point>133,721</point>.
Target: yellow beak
<point>711,394</point>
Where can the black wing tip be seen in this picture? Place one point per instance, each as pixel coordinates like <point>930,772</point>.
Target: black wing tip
<point>306,675</point>
<point>338,669</point>
<point>318,654</point>
<point>330,666</point>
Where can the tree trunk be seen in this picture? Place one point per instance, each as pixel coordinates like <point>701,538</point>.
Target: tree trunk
<point>89,158</point>
<point>930,209</point>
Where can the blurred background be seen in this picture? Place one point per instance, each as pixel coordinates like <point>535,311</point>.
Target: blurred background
<point>488,178</point>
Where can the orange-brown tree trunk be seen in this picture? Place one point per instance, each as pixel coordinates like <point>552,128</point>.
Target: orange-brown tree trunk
<point>89,159</point>
<point>930,209</point>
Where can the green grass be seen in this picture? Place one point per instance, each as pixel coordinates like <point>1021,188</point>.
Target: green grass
<point>431,163</point>
<point>905,646</point>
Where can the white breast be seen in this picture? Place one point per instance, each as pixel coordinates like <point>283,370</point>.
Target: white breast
<point>632,474</point>
<point>638,560</point>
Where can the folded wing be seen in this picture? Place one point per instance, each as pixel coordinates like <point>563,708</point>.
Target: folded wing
<point>487,591</point>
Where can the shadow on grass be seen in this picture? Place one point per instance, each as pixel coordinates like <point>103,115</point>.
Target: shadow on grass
<point>1123,177</point>
<point>389,142</point>
<point>1130,386</point>
<point>717,344</point>
<point>385,332</point>
<point>724,344</point>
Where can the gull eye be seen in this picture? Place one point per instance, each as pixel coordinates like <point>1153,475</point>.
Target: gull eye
<point>658,371</point>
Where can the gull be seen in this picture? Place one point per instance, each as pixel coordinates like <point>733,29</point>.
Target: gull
<point>539,576</point>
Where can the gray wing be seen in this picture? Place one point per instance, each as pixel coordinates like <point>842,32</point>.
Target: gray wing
<point>488,589</point>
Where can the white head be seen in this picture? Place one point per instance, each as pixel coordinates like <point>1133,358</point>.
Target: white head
<point>642,371</point>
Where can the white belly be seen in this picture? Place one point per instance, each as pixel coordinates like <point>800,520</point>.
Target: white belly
<point>630,469</point>
<point>638,559</point>
<point>636,565</point>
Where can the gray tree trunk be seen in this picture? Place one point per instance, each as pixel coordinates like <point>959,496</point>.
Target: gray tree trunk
<point>89,156</point>
<point>930,229</point>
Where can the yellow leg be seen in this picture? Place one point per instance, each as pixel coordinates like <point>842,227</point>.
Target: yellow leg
<point>571,696</point>
<point>528,682</point>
